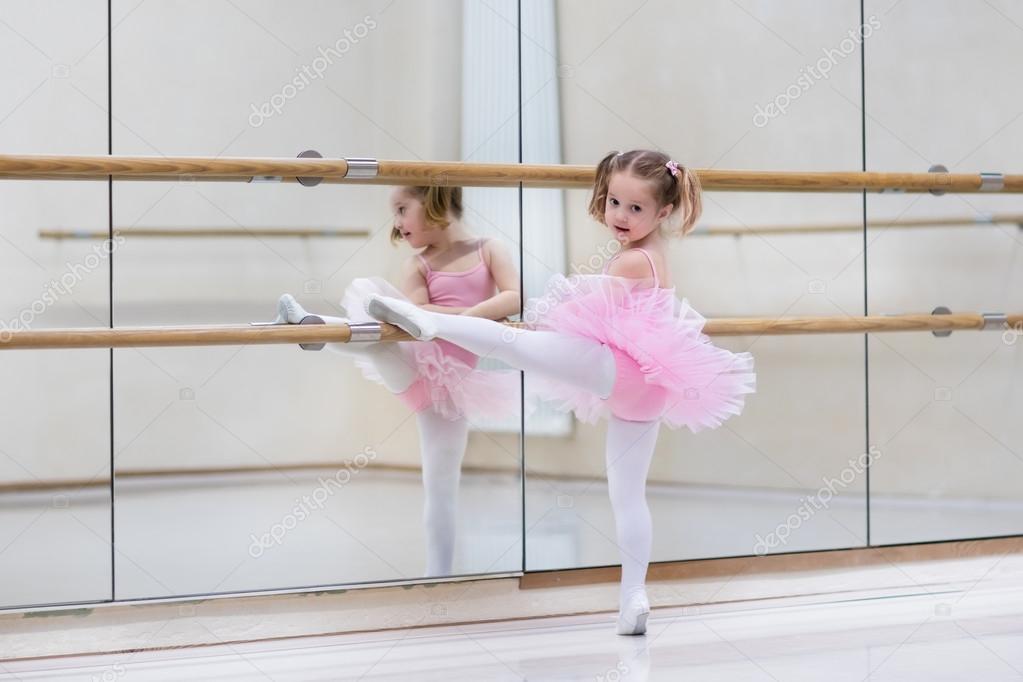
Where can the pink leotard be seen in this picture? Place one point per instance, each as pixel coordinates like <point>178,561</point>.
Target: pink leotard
<point>462,289</point>
<point>448,376</point>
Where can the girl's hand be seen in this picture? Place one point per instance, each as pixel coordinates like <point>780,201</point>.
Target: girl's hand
<point>450,310</point>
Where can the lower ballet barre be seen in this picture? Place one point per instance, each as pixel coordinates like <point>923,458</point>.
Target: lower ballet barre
<point>987,220</point>
<point>940,322</point>
<point>202,232</point>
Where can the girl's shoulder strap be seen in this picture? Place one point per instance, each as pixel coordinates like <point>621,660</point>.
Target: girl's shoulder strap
<point>423,261</point>
<point>653,269</point>
<point>648,258</point>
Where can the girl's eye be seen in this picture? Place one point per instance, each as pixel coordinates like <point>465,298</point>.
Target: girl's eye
<point>637,207</point>
<point>614,202</point>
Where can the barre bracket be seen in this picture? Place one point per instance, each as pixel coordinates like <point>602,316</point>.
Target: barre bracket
<point>360,332</point>
<point>941,310</point>
<point>937,168</point>
<point>310,154</point>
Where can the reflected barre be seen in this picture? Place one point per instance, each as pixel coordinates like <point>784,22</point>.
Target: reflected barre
<point>311,170</point>
<point>198,232</point>
<point>229,335</point>
<point>988,219</point>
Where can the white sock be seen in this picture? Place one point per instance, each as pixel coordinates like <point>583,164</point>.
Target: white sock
<point>629,450</point>
<point>576,360</point>
<point>442,443</point>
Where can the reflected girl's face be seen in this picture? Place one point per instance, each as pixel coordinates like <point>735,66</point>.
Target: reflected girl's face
<point>409,218</point>
<point>631,210</point>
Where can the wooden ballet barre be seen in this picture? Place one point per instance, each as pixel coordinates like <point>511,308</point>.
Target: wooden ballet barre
<point>138,337</point>
<point>204,232</point>
<point>211,335</point>
<point>765,326</point>
<point>915,223</point>
<point>311,171</point>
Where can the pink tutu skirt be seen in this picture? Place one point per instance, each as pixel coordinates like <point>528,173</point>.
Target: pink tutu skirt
<point>667,369</point>
<point>448,379</point>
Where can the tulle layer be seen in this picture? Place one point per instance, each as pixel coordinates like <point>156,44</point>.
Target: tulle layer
<point>448,378</point>
<point>667,368</point>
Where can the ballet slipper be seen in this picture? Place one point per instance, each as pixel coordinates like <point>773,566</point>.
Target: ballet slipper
<point>633,614</point>
<point>290,311</point>
<point>418,323</point>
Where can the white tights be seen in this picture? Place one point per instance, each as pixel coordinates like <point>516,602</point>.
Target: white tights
<point>575,360</point>
<point>442,444</point>
<point>590,365</point>
<point>628,451</point>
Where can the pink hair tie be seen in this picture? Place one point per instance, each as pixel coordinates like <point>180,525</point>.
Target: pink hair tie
<point>673,167</point>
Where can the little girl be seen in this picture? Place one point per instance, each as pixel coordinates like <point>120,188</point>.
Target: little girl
<point>617,345</point>
<point>457,274</point>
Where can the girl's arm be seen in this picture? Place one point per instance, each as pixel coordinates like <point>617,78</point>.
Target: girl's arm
<point>413,282</point>
<point>508,300</point>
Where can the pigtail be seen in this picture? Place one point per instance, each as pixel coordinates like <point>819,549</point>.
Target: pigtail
<point>603,177</point>
<point>690,200</point>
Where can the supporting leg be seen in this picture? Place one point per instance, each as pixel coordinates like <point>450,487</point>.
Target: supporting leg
<point>442,444</point>
<point>629,451</point>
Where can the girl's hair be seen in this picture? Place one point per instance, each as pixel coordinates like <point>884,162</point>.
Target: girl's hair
<point>437,202</point>
<point>681,191</point>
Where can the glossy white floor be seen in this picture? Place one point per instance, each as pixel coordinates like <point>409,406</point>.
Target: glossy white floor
<point>970,634</point>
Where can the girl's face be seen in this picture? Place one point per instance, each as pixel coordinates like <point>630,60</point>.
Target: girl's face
<point>631,211</point>
<point>409,218</point>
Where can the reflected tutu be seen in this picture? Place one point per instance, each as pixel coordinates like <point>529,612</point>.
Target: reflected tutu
<point>448,378</point>
<point>667,368</point>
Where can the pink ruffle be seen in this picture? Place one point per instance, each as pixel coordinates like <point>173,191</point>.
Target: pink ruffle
<point>700,384</point>
<point>456,388</point>
<point>448,379</point>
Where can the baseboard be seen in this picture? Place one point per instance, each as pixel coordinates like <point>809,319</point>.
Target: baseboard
<point>699,585</point>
